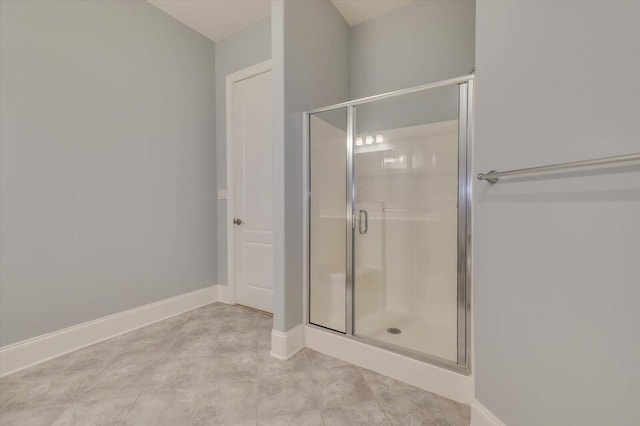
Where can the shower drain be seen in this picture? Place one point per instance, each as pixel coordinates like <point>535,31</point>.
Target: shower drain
<point>394,330</point>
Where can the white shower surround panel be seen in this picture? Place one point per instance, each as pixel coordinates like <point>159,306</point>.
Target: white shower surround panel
<point>405,273</point>
<point>418,223</point>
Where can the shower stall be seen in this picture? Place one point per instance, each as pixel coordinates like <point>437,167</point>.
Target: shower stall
<point>388,232</point>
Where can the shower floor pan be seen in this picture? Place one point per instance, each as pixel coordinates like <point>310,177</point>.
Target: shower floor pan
<point>417,333</point>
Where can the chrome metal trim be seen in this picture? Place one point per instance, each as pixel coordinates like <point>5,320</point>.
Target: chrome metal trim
<point>450,82</point>
<point>493,176</point>
<point>463,364</point>
<point>462,226</point>
<point>469,209</point>
<point>306,125</point>
<point>350,219</point>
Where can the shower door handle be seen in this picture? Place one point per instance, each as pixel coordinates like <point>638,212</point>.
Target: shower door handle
<point>366,222</point>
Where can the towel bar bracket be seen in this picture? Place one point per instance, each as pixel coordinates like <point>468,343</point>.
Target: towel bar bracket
<point>488,177</point>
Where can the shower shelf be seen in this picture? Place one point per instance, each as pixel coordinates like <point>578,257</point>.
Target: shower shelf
<point>415,218</point>
<point>407,172</point>
<point>332,214</point>
<point>418,209</point>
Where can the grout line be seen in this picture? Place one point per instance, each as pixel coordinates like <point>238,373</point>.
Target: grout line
<point>66,407</point>
<point>375,397</point>
<point>76,398</point>
<point>131,406</point>
<point>322,418</point>
<point>172,335</point>
<point>386,416</point>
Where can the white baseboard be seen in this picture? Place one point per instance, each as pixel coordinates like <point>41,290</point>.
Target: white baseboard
<point>285,345</point>
<point>481,416</point>
<point>33,351</point>
<point>420,374</point>
<point>225,294</point>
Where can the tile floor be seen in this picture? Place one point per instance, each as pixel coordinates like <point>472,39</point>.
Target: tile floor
<point>211,366</point>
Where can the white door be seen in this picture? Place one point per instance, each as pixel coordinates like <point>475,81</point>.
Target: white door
<point>252,191</point>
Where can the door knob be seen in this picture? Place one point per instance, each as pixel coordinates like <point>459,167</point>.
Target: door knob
<point>237,221</point>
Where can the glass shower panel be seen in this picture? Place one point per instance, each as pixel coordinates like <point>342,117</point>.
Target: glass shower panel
<point>327,218</point>
<point>405,241</point>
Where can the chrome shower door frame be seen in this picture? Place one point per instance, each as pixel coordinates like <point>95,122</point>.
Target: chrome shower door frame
<point>465,142</point>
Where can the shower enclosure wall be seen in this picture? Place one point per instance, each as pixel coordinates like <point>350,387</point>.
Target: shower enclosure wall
<point>388,230</point>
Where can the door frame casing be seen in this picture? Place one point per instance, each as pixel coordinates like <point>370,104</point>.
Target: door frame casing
<point>230,80</point>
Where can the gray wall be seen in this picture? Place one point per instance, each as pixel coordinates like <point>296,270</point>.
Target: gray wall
<point>422,42</point>
<point>108,165</point>
<point>556,256</point>
<point>311,69</point>
<point>236,52</point>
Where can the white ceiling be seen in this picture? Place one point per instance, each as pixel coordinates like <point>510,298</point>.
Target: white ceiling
<point>358,11</point>
<point>217,19</point>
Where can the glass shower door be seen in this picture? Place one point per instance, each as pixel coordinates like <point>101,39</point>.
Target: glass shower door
<point>388,232</point>
<point>328,271</point>
<point>405,246</point>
